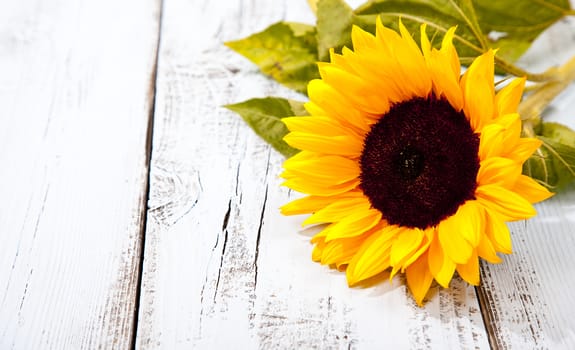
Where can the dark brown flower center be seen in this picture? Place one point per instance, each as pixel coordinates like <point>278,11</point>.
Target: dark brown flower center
<point>419,162</point>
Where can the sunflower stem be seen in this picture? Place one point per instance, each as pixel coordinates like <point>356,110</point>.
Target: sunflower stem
<point>531,107</point>
<point>550,74</point>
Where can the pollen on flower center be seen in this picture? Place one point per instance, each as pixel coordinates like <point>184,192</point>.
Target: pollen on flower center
<point>410,162</point>
<point>419,162</point>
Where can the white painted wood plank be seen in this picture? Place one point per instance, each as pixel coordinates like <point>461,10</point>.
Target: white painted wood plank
<point>76,93</point>
<point>528,299</point>
<point>222,267</point>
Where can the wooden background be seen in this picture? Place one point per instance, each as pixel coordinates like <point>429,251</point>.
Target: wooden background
<point>136,212</point>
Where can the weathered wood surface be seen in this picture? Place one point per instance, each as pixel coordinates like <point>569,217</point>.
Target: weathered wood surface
<point>528,299</point>
<point>221,267</point>
<point>76,90</point>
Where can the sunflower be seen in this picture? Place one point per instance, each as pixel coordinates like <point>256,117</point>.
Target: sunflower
<point>412,166</point>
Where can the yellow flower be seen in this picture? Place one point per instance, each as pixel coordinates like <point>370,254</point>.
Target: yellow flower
<point>413,167</point>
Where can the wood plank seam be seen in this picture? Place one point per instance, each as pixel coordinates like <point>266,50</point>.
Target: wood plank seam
<point>146,195</point>
<point>486,316</point>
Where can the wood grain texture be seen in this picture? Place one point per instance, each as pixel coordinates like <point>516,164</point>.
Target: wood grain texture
<point>76,90</point>
<point>528,299</point>
<point>222,268</point>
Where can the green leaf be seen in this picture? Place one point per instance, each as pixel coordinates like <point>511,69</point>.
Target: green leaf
<point>286,51</point>
<point>553,164</point>
<point>559,133</point>
<point>264,116</point>
<point>509,25</point>
<point>517,23</point>
<point>334,22</point>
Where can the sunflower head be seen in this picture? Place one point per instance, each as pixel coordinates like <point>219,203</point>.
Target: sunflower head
<point>414,167</point>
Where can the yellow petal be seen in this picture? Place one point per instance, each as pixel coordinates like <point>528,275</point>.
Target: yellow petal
<point>486,250</point>
<point>510,121</point>
<point>353,225</point>
<point>373,256</point>
<point>470,271</point>
<point>498,170</point>
<point>410,43</point>
<point>341,251</point>
<point>387,38</point>
<point>508,205</point>
<point>440,265</point>
<point>344,145</point>
<point>531,190</point>
<point>419,278</point>
<point>491,141</point>
<point>445,68</point>
<point>454,245</point>
<point>478,90</point>
<point>404,262</point>
<point>498,233</point>
<point>405,244</point>
<point>512,125</point>
<point>425,44</point>
<point>449,52</point>
<point>379,73</point>
<point>339,60</point>
<point>429,234</point>
<point>409,68</point>
<point>507,99</point>
<point>361,39</point>
<point>335,104</point>
<point>317,125</point>
<point>445,83</point>
<point>471,221</point>
<point>362,95</point>
<point>319,188</point>
<point>413,64</point>
<point>319,237</point>
<point>332,170</point>
<point>523,149</point>
<point>305,205</point>
<point>314,109</point>
<point>300,156</point>
<point>338,210</point>
<point>311,204</point>
<point>318,250</point>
